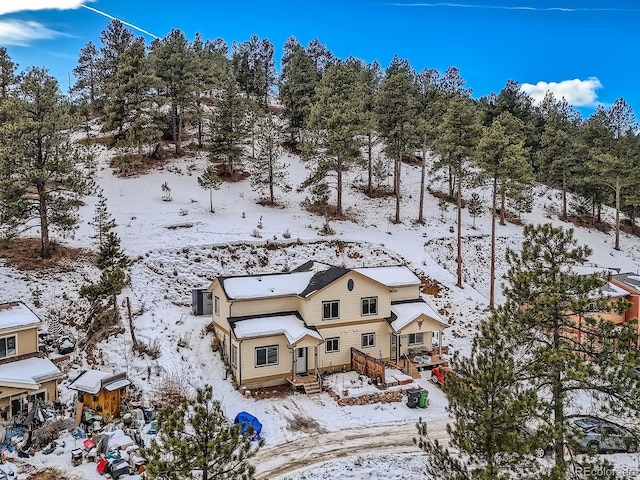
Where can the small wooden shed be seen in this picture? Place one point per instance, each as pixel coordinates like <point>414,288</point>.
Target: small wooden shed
<point>100,391</point>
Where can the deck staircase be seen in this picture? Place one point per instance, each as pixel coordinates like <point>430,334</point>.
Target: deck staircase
<point>312,389</point>
<point>412,371</point>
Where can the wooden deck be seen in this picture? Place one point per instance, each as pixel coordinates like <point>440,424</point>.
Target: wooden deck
<point>309,383</point>
<point>414,368</point>
<point>300,380</point>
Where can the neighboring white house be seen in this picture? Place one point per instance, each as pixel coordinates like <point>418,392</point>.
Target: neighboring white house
<point>26,373</point>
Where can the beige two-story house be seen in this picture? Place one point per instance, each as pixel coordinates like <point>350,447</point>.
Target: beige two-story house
<point>277,327</point>
<point>25,373</point>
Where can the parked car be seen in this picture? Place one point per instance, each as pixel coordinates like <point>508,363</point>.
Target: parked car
<point>528,433</point>
<point>439,373</point>
<point>593,435</point>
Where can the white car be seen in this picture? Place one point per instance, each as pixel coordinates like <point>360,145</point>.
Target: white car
<point>594,435</point>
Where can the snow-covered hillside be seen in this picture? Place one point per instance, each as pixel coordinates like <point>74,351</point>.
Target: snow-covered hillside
<point>178,245</point>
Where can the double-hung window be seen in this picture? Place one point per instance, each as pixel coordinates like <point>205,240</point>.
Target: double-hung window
<point>331,309</point>
<point>266,356</point>
<point>416,338</point>
<point>332,345</point>
<point>368,340</point>
<point>216,305</point>
<point>370,306</point>
<point>234,356</point>
<point>8,346</point>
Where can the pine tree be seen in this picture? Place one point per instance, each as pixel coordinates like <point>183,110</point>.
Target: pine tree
<point>196,439</point>
<point>336,122</point>
<point>102,221</point>
<point>502,156</point>
<point>557,153</point>
<point>514,100</point>
<point>211,181</point>
<point>176,65</point>
<point>565,346</point>
<point>372,76</point>
<point>491,407</point>
<point>115,40</point>
<point>112,262</point>
<point>632,192</point>
<point>131,108</point>
<point>430,114</point>
<point>211,64</point>
<point>475,207</point>
<point>594,137</point>
<point>320,55</point>
<point>228,124</point>
<point>609,160</point>
<point>397,108</point>
<point>266,169</point>
<point>297,87</point>
<point>39,175</point>
<point>455,143</point>
<point>254,68</point>
<point>7,73</point>
<point>452,83</point>
<point>89,80</point>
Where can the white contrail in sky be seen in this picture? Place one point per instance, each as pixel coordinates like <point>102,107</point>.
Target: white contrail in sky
<point>526,8</point>
<point>125,23</point>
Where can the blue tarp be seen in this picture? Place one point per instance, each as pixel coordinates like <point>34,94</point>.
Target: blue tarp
<point>247,420</point>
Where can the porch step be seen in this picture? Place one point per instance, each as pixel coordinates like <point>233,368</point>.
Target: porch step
<point>312,389</point>
<point>412,372</point>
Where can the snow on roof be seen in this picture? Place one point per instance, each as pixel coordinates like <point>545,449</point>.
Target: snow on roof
<point>29,371</point>
<point>89,381</point>
<point>16,314</point>
<point>398,276</point>
<point>408,312</point>
<point>267,285</point>
<point>613,291</point>
<point>289,325</point>
<point>117,385</point>
<point>631,280</point>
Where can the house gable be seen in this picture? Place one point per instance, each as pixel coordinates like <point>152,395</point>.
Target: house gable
<point>348,290</point>
<point>414,316</point>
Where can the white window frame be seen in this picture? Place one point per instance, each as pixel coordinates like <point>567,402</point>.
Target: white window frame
<point>216,305</point>
<point>367,301</point>
<point>330,303</point>
<point>233,356</point>
<point>415,338</point>
<point>371,340</point>
<point>332,340</point>
<point>6,346</point>
<point>44,391</point>
<point>266,349</point>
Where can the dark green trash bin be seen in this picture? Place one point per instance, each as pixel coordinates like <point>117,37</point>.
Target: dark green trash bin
<point>422,399</point>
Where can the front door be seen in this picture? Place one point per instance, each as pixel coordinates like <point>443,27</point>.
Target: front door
<point>301,360</point>
<point>394,347</point>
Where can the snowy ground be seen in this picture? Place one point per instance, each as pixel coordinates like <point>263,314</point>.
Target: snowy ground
<point>178,245</point>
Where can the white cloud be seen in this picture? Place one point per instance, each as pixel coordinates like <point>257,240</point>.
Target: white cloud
<point>579,93</point>
<point>16,32</point>
<point>23,5</point>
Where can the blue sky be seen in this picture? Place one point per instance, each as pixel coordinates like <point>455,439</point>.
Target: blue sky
<point>584,50</point>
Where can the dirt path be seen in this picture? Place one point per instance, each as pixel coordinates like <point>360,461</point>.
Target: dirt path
<point>286,458</point>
